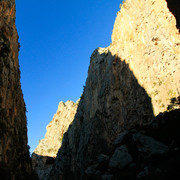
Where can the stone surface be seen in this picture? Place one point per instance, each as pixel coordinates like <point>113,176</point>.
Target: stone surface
<point>128,83</point>
<point>64,116</point>
<point>15,163</point>
<point>121,158</point>
<point>146,163</point>
<point>49,146</point>
<point>143,173</point>
<point>102,158</point>
<point>145,37</point>
<point>92,170</point>
<point>42,165</point>
<point>107,177</point>
<point>120,137</point>
<point>149,145</point>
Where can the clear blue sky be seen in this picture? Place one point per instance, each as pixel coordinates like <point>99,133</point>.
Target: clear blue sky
<point>57,38</point>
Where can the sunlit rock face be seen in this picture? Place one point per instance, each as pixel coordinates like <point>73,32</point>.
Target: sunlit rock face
<point>14,153</point>
<point>128,83</point>
<point>145,37</point>
<point>44,154</point>
<point>56,128</point>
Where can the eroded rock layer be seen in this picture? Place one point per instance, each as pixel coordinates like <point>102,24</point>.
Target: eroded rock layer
<point>129,82</point>
<point>14,153</point>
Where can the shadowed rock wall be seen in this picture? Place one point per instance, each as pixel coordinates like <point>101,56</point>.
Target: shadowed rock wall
<point>14,154</point>
<point>108,106</point>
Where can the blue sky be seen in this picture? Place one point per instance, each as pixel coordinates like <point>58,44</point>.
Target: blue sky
<point>57,39</point>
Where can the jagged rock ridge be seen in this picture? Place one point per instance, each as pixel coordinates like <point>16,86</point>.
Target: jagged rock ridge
<point>48,147</point>
<point>129,82</point>
<point>15,161</point>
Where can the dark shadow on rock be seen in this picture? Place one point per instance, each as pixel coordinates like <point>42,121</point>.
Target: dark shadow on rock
<point>112,101</point>
<point>41,165</point>
<point>174,7</point>
<point>6,174</point>
<point>14,154</point>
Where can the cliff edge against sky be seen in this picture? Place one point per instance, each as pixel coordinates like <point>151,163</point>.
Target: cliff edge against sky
<point>124,127</point>
<point>15,161</point>
<point>44,154</point>
<point>128,83</point>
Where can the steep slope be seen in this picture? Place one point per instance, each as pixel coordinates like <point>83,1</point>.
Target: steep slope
<point>48,147</point>
<point>14,154</point>
<point>129,82</point>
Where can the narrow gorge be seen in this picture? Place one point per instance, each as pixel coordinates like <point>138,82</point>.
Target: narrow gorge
<point>126,123</point>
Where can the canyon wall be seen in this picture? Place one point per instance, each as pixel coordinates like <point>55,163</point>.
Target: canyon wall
<point>128,83</point>
<point>44,154</point>
<point>146,37</point>
<point>15,161</point>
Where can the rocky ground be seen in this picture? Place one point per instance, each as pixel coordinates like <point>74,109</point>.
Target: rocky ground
<point>149,152</point>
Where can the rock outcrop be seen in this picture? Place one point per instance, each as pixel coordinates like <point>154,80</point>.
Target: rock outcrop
<point>150,152</point>
<point>44,154</point>
<point>129,82</point>
<point>15,163</point>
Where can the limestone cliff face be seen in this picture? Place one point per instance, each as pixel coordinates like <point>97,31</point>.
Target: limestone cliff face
<point>146,37</point>
<point>64,116</point>
<point>128,83</point>
<point>48,147</point>
<point>14,153</point>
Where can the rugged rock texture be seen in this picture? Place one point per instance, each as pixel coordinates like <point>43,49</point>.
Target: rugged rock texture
<point>14,154</point>
<point>129,82</point>
<point>146,37</point>
<point>43,156</point>
<point>42,165</point>
<point>150,152</point>
<point>64,116</point>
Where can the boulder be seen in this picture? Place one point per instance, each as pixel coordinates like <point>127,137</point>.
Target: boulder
<point>149,145</point>
<point>121,158</point>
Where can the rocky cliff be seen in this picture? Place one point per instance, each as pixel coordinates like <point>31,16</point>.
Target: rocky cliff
<point>14,153</point>
<point>42,157</point>
<point>146,37</point>
<point>128,83</point>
